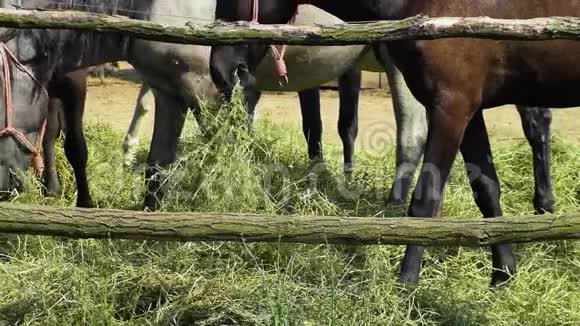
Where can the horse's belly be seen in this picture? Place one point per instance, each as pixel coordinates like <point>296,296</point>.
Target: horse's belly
<point>308,67</point>
<point>556,95</point>
<point>541,73</point>
<point>177,69</point>
<point>369,62</point>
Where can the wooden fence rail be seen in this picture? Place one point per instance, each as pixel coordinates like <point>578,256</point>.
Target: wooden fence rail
<point>100,223</point>
<point>419,27</point>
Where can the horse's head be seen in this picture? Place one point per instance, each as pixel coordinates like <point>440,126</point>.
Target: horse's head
<point>23,105</point>
<point>233,62</point>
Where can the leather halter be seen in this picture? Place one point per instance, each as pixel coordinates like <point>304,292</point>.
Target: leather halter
<point>278,53</point>
<point>10,131</point>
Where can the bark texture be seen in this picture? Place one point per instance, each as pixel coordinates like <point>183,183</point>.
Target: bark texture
<point>418,27</point>
<point>100,223</point>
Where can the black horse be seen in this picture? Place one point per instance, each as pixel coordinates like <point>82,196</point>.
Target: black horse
<point>65,113</point>
<point>446,85</point>
<point>55,60</point>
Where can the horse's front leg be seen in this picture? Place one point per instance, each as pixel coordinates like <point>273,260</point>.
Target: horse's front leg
<point>312,122</point>
<point>170,115</point>
<point>349,90</point>
<point>142,107</point>
<point>447,123</point>
<point>476,151</point>
<point>410,117</point>
<point>536,124</point>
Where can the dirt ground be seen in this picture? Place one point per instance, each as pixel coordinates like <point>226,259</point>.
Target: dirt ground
<point>114,100</point>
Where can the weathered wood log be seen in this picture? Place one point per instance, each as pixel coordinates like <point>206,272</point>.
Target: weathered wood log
<point>100,223</point>
<point>419,27</point>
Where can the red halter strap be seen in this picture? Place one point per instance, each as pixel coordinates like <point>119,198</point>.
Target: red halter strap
<point>278,53</point>
<point>255,11</point>
<point>9,130</point>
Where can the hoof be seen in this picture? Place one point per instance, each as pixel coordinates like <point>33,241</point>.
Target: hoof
<point>409,278</point>
<point>544,204</point>
<point>129,160</point>
<point>52,191</point>
<point>151,203</point>
<point>317,161</point>
<point>500,278</point>
<point>318,172</point>
<point>85,203</point>
<point>129,144</point>
<point>348,170</point>
<point>130,150</point>
<point>51,185</point>
<point>504,274</point>
<point>396,204</point>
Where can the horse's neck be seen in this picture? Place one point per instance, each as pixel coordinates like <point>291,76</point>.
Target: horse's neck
<point>81,50</point>
<point>180,12</point>
<point>86,50</point>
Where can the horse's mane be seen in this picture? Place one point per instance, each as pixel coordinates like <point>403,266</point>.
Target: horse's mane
<point>136,9</point>
<point>48,40</point>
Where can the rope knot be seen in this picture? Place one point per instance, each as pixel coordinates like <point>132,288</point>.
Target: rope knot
<point>9,130</point>
<point>279,63</point>
<point>38,164</point>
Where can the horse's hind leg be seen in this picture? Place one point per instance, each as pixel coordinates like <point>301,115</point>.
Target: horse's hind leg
<point>75,145</point>
<point>50,180</point>
<point>410,117</point>
<point>536,124</point>
<point>142,107</point>
<point>476,151</point>
<point>447,123</point>
<point>312,122</point>
<point>349,89</point>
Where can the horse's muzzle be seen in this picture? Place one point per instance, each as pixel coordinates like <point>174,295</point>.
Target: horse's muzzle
<point>11,182</point>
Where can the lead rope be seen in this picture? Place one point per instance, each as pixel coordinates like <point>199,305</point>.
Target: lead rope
<point>9,130</point>
<point>277,53</point>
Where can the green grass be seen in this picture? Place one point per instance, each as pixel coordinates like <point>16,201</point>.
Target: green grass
<point>53,281</point>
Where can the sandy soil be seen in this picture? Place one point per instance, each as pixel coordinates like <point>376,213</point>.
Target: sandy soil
<point>113,102</point>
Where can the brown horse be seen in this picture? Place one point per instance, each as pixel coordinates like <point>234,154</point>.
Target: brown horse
<point>454,79</point>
